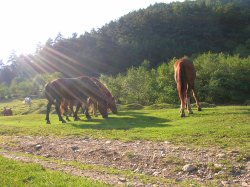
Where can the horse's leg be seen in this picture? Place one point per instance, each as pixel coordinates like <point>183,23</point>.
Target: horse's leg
<point>196,99</point>
<point>86,111</point>
<point>76,111</point>
<point>182,108</point>
<point>95,108</point>
<point>188,100</point>
<point>66,112</point>
<point>58,102</point>
<point>48,111</point>
<point>183,98</point>
<point>71,109</point>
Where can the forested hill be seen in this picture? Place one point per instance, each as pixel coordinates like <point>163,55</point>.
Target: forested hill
<point>157,33</point>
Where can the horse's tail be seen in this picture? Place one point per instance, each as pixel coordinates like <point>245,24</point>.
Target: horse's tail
<point>181,73</point>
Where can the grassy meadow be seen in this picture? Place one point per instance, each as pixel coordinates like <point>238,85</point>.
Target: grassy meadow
<point>225,127</point>
<point>14,173</point>
<point>222,126</point>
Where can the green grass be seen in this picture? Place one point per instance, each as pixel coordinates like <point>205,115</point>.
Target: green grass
<point>223,126</point>
<point>226,127</point>
<point>14,173</point>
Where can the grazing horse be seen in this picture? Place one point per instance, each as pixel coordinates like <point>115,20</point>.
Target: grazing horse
<point>111,103</point>
<point>110,98</point>
<point>185,75</point>
<point>7,111</point>
<point>79,89</point>
<point>27,101</point>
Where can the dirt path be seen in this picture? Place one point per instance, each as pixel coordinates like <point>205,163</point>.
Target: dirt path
<point>161,160</point>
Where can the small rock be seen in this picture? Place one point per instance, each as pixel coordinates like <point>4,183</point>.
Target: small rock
<point>108,142</point>
<point>38,147</point>
<point>162,153</point>
<point>245,184</point>
<point>47,155</point>
<point>137,170</point>
<point>220,172</point>
<point>221,155</point>
<point>75,148</point>
<point>225,183</point>
<point>189,168</point>
<point>167,142</point>
<point>122,179</point>
<point>178,179</point>
<point>156,173</point>
<point>218,165</point>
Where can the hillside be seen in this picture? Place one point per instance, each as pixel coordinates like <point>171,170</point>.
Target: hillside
<point>157,33</point>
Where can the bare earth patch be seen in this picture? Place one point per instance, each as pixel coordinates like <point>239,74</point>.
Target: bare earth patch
<point>161,160</point>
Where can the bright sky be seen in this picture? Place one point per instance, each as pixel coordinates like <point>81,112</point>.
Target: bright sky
<point>25,23</point>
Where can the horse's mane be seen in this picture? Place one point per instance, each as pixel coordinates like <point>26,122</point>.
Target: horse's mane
<point>102,87</point>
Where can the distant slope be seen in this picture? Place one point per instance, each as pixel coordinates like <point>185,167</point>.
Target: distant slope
<point>157,33</point>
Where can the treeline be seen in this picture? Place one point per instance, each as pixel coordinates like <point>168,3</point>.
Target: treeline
<point>21,87</point>
<point>220,79</point>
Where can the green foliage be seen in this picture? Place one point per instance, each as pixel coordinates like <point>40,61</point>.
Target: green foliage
<point>220,79</point>
<point>21,86</point>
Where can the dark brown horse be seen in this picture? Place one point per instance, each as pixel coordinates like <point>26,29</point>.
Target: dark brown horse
<point>110,98</point>
<point>185,75</point>
<point>79,89</point>
<point>7,111</point>
<point>111,103</point>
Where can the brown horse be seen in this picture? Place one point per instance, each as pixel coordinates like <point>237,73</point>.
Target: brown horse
<point>185,75</point>
<point>7,111</point>
<point>110,98</point>
<point>111,103</point>
<point>79,89</point>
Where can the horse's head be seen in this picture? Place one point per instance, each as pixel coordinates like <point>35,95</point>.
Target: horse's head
<point>112,105</point>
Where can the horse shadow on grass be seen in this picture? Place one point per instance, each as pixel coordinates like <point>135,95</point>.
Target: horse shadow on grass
<point>124,120</point>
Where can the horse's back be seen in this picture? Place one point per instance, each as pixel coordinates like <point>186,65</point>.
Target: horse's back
<point>184,69</point>
<point>71,88</point>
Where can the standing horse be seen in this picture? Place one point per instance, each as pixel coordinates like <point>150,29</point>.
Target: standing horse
<point>79,89</point>
<point>27,101</point>
<point>185,75</point>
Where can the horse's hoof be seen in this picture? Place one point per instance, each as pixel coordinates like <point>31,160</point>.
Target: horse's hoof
<point>88,119</point>
<point>183,115</point>
<point>199,109</point>
<point>63,121</point>
<point>48,122</point>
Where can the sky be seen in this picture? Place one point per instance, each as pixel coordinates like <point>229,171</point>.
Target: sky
<point>25,23</point>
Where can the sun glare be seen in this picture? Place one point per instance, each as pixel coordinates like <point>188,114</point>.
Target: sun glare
<point>26,23</point>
